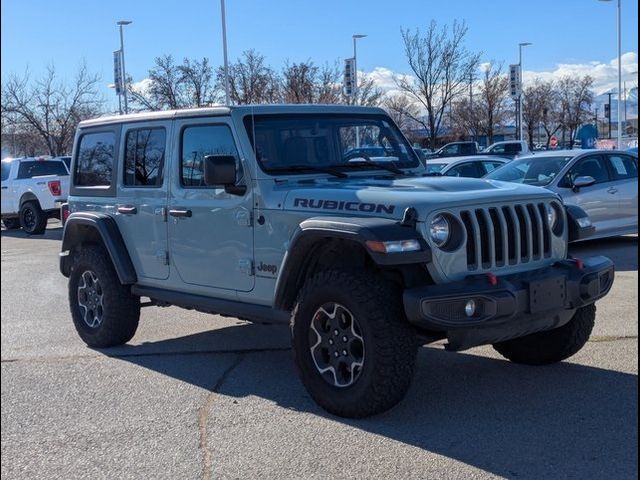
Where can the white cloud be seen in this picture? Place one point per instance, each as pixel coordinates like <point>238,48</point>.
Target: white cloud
<point>142,86</point>
<point>605,74</point>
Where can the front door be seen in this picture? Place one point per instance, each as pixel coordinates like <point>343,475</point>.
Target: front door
<point>210,230</point>
<point>599,200</point>
<point>142,196</point>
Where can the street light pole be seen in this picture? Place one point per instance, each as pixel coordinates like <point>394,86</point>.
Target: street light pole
<point>224,53</point>
<point>121,24</point>
<point>520,45</point>
<point>619,34</point>
<point>355,80</point>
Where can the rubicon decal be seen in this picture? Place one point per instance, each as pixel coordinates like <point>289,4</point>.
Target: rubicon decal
<point>318,204</point>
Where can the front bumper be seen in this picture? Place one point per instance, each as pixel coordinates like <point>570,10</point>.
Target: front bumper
<point>515,306</point>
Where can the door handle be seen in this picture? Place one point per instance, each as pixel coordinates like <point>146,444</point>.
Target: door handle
<point>180,213</point>
<point>612,190</point>
<point>127,210</point>
<point>5,188</point>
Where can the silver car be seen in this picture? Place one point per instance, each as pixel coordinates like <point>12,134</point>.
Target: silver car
<point>603,183</point>
<point>474,166</point>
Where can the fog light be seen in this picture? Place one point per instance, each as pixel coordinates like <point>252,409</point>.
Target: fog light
<point>470,308</point>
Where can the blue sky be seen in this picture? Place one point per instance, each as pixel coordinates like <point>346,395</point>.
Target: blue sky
<point>37,32</point>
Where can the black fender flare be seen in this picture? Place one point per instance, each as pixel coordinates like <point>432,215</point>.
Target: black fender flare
<point>82,225</point>
<point>576,232</point>
<point>317,230</point>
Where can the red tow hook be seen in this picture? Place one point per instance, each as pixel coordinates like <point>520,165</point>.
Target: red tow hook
<point>493,280</point>
<point>579,263</point>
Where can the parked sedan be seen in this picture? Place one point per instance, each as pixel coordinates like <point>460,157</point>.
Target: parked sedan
<point>473,166</point>
<point>602,183</point>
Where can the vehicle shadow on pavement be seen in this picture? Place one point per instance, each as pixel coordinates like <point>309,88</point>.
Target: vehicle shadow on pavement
<point>622,250</point>
<point>564,420</point>
<point>51,233</point>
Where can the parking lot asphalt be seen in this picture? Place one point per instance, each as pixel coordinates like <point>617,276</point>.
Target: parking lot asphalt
<point>201,396</point>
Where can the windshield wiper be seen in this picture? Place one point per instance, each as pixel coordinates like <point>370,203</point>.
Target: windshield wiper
<point>367,161</point>
<point>310,168</point>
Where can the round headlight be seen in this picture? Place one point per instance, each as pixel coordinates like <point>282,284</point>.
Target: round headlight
<point>552,217</point>
<point>440,231</point>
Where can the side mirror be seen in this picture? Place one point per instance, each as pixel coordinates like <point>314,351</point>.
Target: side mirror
<point>220,171</point>
<point>583,181</point>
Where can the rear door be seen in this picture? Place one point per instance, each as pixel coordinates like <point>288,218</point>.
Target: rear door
<point>624,169</point>
<point>7,196</point>
<point>210,230</point>
<point>141,211</point>
<point>599,201</point>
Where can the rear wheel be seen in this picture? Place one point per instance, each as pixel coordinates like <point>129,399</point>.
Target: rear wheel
<point>11,223</point>
<point>32,219</point>
<point>104,311</point>
<point>354,349</point>
<point>551,346</point>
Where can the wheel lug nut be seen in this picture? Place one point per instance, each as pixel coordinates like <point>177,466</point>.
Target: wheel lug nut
<point>331,341</point>
<point>344,339</point>
<point>335,354</point>
<point>336,333</point>
<point>344,352</point>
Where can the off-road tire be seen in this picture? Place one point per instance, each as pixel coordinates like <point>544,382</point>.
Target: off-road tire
<point>33,219</point>
<point>11,223</point>
<point>121,309</point>
<point>390,343</point>
<point>551,346</point>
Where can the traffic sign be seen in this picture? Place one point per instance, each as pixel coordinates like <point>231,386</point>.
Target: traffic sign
<point>349,76</point>
<point>515,81</point>
<point>117,72</point>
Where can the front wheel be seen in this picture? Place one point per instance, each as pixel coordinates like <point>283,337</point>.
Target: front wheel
<point>551,346</point>
<point>104,311</point>
<point>354,350</point>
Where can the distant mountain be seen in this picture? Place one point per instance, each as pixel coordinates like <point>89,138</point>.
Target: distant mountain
<point>632,103</point>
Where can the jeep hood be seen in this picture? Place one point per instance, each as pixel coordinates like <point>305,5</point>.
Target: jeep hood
<point>390,197</point>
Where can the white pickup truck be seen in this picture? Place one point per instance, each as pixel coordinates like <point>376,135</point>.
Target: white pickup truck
<point>32,191</point>
<point>508,148</point>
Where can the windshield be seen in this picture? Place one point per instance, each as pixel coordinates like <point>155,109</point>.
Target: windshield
<point>287,144</point>
<point>6,169</point>
<point>538,171</point>
<point>435,167</point>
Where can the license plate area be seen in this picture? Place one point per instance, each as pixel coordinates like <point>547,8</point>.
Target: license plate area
<point>547,294</point>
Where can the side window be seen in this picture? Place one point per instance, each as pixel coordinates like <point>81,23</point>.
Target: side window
<point>469,170</point>
<point>623,167</point>
<point>197,143</point>
<point>6,170</point>
<point>592,166</point>
<point>94,165</point>
<point>490,166</point>
<point>144,157</point>
<point>498,148</point>
<point>39,168</point>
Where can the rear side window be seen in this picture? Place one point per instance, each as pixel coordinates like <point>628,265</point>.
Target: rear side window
<point>623,167</point>
<point>197,143</point>
<point>144,157</point>
<point>592,166</point>
<point>490,166</point>
<point>469,170</point>
<point>94,165</point>
<point>37,168</point>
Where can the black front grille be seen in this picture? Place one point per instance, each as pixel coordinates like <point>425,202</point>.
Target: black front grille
<point>506,235</point>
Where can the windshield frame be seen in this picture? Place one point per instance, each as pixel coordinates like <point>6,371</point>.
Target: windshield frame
<point>415,163</point>
<point>568,159</point>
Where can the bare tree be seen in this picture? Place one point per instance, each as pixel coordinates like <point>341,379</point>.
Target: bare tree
<point>550,109</point>
<point>535,106</point>
<point>251,80</point>
<point>441,65</point>
<point>50,108</point>
<point>494,92</point>
<point>196,77</point>
<point>299,82</point>
<point>328,85</point>
<point>465,117</point>
<point>576,98</point>
<point>367,94</point>
<point>403,110</point>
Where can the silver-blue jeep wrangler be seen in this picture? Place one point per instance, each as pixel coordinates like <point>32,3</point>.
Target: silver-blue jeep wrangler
<point>322,217</point>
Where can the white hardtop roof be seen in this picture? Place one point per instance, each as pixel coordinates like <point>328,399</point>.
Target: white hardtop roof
<point>225,110</point>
